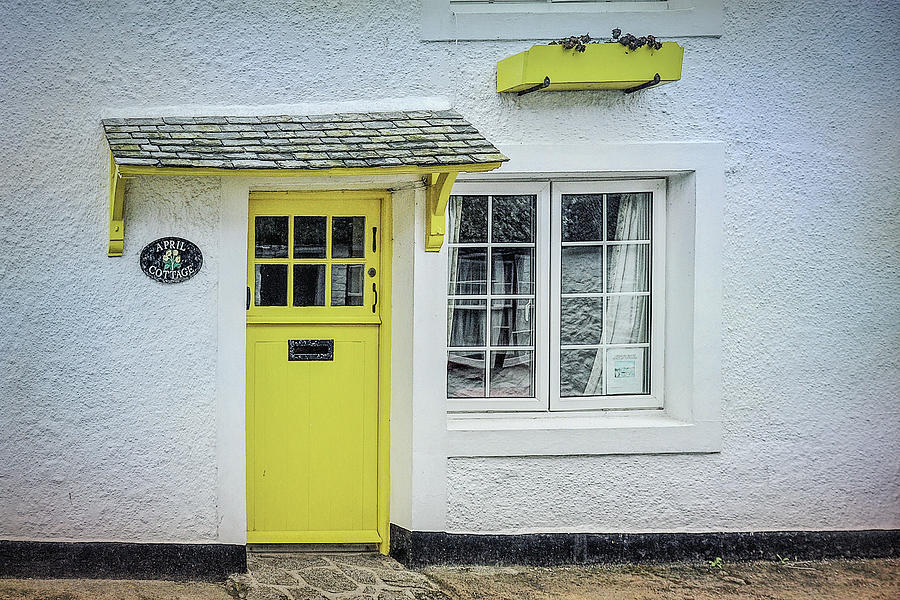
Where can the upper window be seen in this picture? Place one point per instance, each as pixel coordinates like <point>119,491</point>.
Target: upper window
<point>548,19</point>
<point>555,296</point>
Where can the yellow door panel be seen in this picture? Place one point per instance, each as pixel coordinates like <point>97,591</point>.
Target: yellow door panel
<point>313,362</point>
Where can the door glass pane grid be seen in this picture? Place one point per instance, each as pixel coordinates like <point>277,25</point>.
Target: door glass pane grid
<point>491,296</point>
<point>315,271</point>
<point>585,367</point>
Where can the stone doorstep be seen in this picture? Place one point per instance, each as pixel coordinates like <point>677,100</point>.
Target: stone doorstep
<point>341,576</point>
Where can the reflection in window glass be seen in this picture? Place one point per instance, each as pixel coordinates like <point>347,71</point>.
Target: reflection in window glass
<point>271,237</point>
<point>581,372</point>
<point>512,322</point>
<point>582,217</point>
<point>512,374</point>
<point>468,271</point>
<point>581,321</point>
<point>465,374</point>
<point>468,219</point>
<point>348,236</point>
<point>581,269</point>
<point>271,285</point>
<point>512,270</point>
<point>309,285</point>
<point>628,216</point>
<point>309,237</point>
<point>346,285</point>
<point>512,219</point>
<point>466,321</point>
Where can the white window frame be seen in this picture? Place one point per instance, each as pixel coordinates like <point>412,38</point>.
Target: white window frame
<point>449,20</point>
<point>691,420</point>
<point>541,298</point>
<point>655,398</point>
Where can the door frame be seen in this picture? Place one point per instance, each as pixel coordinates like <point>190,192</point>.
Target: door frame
<point>384,346</point>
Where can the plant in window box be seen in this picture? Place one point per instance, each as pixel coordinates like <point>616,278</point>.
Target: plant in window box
<point>624,62</point>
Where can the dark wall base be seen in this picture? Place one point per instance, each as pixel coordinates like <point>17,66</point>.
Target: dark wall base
<point>114,560</point>
<point>420,548</point>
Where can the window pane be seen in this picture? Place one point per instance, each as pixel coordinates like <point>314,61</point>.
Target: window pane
<point>309,285</point>
<point>348,236</point>
<point>465,374</point>
<point>628,216</point>
<point>629,268</point>
<point>271,285</point>
<point>580,372</point>
<point>512,374</point>
<point>468,271</point>
<point>468,219</point>
<point>582,217</point>
<point>512,218</point>
<point>309,237</point>
<point>581,321</point>
<point>627,371</point>
<point>271,235</point>
<point>628,319</point>
<point>511,271</point>
<point>512,322</point>
<point>581,269</point>
<point>466,322</point>
<point>346,285</point>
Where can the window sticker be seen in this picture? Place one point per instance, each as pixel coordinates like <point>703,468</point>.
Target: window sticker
<point>625,371</point>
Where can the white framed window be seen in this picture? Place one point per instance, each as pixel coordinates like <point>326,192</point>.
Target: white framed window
<point>555,296</point>
<point>549,19</point>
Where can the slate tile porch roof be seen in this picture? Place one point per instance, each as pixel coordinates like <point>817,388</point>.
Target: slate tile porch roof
<point>334,141</point>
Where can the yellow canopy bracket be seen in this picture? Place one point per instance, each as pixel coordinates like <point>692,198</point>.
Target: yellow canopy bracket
<point>436,195</point>
<point>116,209</point>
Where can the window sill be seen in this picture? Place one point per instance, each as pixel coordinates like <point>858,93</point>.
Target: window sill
<point>562,434</point>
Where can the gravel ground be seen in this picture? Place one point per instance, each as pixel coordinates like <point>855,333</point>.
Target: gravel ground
<point>826,580</point>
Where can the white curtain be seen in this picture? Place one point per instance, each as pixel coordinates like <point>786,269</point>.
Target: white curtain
<point>628,270</point>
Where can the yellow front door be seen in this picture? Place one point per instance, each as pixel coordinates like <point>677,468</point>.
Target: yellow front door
<point>313,334</point>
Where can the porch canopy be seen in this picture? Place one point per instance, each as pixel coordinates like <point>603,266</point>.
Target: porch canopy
<point>437,145</point>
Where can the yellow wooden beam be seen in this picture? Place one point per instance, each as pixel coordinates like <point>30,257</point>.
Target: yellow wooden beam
<point>437,193</point>
<point>116,209</point>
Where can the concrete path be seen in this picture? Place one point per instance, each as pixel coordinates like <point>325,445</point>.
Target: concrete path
<point>338,576</point>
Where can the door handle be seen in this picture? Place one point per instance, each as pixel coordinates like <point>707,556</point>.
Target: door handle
<point>374,291</point>
<point>248,297</point>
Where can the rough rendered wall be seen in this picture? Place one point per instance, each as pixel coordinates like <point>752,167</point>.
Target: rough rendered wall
<point>107,386</point>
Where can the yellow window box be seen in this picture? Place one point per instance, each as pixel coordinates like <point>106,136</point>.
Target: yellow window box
<point>608,66</point>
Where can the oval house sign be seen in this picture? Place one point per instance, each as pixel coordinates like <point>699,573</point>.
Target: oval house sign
<point>171,260</point>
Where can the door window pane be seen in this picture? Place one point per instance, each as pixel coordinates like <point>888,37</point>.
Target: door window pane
<point>629,268</point>
<point>512,271</point>
<point>468,219</point>
<point>271,285</point>
<point>465,374</point>
<point>628,319</point>
<point>466,322</point>
<point>468,271</point>
<point>309,237</point>
<point>348,236</point>
<point>581,269</point>
<point>581,372</point>
<point>512,322</point>
<point>581,321</point>
<point>582,217</point>
<point>346,285</point>
<point>628,216</point>
<point>512,373</point>
<point>271,237</point>
<point>512,219</point>
<point>309,285</point>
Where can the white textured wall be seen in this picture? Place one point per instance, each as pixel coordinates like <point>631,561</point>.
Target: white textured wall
<point>102,439</point>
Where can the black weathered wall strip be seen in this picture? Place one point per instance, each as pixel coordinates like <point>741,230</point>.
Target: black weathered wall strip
<point>419,548</point>
<point>209,562</point>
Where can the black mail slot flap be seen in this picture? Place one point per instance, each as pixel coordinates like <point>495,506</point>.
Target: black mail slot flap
<point>310,349</point>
